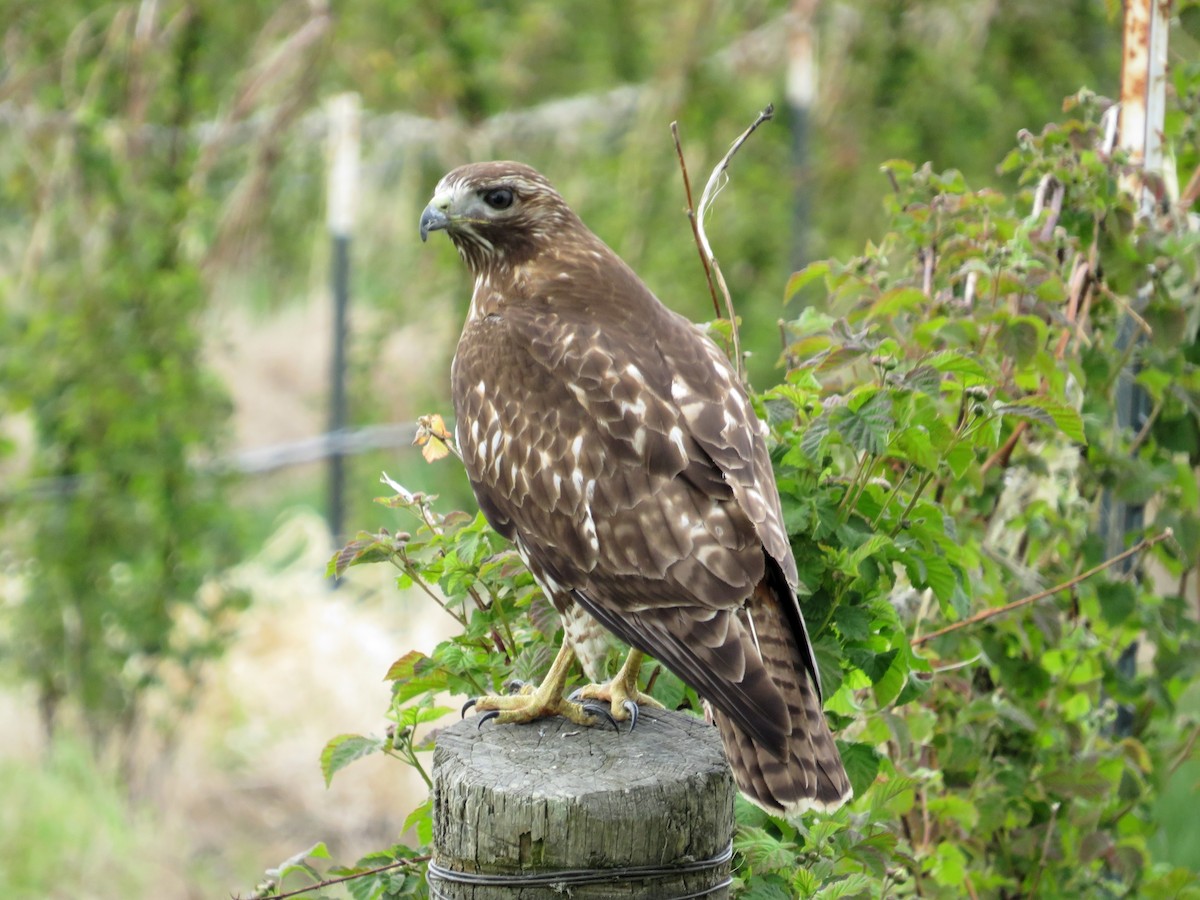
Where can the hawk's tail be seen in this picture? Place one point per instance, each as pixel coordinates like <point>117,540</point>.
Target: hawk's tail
<point>809,774</point>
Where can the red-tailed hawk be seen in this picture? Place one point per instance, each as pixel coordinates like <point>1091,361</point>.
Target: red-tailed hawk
<point>615,445</point>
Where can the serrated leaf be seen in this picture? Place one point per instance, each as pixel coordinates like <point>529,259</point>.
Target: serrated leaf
<point>411,716</point>
<point>345,749</point>
<point>1047,412</point>
<point>366,548</point>
<point>867,427</point>
<point>853,622</point>
<point>926,379</point>
<point>413,674</point>
<point>855,884</point>
<point>954,363</point>
<point>763,850</point>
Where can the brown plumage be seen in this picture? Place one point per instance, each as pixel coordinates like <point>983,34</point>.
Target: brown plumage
<point>613,443</point>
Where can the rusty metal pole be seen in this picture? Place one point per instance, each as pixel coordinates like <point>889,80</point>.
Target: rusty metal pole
<point>1144,91</point>
<point>1143,105</point>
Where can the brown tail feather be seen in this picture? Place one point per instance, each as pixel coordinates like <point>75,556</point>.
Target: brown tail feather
<point>812,777</point>
<point>809,774</point>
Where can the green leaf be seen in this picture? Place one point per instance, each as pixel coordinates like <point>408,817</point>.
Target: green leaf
<point>865,428</point>
<point>804,277</point>
<point>855,884</point>
<point>411,716</point>
<point>862,765</point>
<point>897,300</point>
<point>345,749</point>
<point>298,863</point>
<point>926,379</point>
<point>1046,412</point>
<point>768,888</point>
<point>954,363</point>
<point>421,818</point>
<point>762,850</point>
<point>366,548</point>
<point>415,673</point>
<point>948,865</point>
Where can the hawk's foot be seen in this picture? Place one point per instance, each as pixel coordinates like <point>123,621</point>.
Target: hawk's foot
<point>529,705</point>
<point>526,703</point>
<point>622,694</point>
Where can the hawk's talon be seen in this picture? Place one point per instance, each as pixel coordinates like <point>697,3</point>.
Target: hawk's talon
<point>517,686</point>
<point>599,710</point>
<point>467,706</point>
<point>487,717</point>
<point>632,709</point>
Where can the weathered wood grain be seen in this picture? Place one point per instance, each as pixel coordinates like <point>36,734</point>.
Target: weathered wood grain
<point>550,797</point>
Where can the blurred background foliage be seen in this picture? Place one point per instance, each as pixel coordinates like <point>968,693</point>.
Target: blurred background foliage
<point>162,172</point>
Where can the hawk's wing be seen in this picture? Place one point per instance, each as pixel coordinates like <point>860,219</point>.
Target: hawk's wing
<point>625,457</point>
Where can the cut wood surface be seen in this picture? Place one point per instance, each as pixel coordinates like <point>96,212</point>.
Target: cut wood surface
<point>550,809</point>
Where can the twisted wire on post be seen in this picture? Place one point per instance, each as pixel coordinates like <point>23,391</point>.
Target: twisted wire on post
<point>563,877</point>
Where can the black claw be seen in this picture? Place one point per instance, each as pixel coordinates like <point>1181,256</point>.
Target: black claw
<point>632,709</point>
<point>574,696</point>
<point>599,710</point>
<point>487,717</point>
<point>468,705</point>
<point>514,685</point>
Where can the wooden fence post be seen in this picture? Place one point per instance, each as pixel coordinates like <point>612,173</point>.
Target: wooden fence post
<point>551,810</point>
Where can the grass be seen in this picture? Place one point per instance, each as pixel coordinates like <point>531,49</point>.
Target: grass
<point>68,831</point>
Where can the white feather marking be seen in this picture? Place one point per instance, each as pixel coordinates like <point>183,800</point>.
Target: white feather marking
<point>481,388</point>
<point>577,449</point>
<point>637,409</point>
<point>676,437</point>
<point>753,630</point>
<point>639,441</point>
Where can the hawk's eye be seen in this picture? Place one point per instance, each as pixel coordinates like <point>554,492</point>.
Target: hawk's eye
<point>499,198</point>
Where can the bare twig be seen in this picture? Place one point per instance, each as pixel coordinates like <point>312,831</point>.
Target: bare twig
<point>398,864</point>
<point>691,214</point>
<point>1002,455</point>
<point>984,615</point>
<point>716,181</point>
<point>1144,431</point>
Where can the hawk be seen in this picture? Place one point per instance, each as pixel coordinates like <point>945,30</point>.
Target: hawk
<point>613,443</point>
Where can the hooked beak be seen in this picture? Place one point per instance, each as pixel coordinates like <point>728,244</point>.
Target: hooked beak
<point>433,219</point>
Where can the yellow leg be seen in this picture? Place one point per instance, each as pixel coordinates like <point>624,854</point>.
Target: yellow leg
<point>539,703</point>
<point>622,693</point>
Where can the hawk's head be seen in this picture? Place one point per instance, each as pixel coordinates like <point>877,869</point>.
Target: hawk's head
<point>497,213</point>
